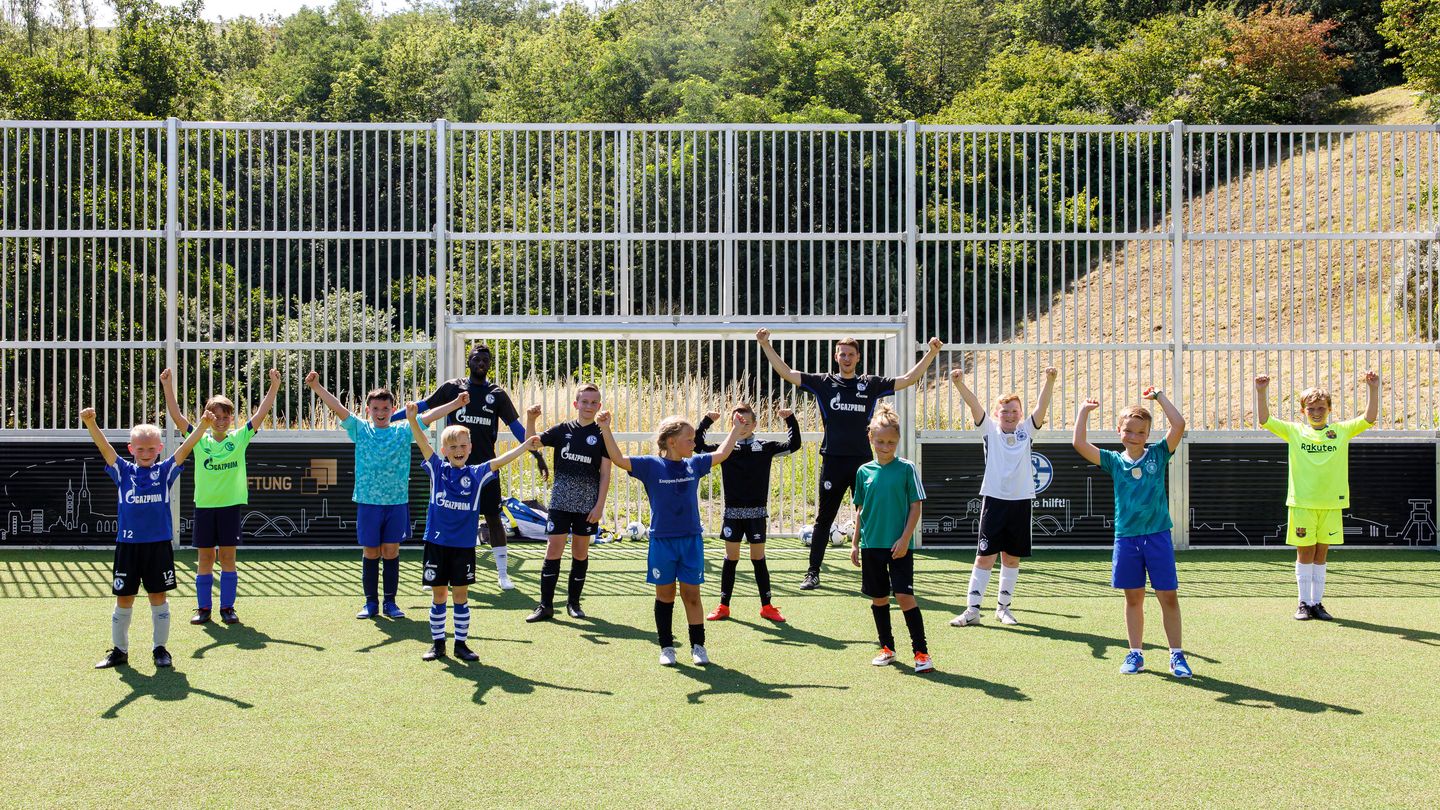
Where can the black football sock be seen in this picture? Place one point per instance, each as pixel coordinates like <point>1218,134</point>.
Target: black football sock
<point>762,579</point>
<point>549,576</point>
<point>916,626</point>
<point>664,611</point>
<point>578,569</point>
<point>727,580</point>
<point>882,625</point>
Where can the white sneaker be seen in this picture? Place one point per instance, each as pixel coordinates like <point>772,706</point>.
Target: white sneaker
<point>884,658</point>
<point>698,655</point>
<point>1004,616</point>
<point>505,583</point>
<point>969,617</point>
<point>667,657</point>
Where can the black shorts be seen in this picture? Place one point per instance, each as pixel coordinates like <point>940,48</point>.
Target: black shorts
<point>881,575</point>
<point>1004,526</point>
<point>490,497</point>
<point>152,564</point>
<point>448,565</point>
<point>218,526</point>
<point>562,522</point>
<point>737,529</point>
<point>837,474</point>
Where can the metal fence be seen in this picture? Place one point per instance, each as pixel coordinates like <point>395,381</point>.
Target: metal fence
<point>1189,257</point>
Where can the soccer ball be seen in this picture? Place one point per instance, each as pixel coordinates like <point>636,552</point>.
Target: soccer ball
<point>839,535</point>
<point>807,534</point>
<point>636,531</point>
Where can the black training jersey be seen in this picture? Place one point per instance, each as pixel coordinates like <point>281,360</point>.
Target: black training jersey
<point>746,473</point>
<point>490,408</point>
<point>579,450</point>
<point>846,407</point>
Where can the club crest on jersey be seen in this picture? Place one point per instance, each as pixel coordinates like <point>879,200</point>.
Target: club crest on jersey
<point>860,386</point>
<point>727,531</point>
<point>465,482</point>
<point>590,440</point>
<point>119,583</point>
<point>1150,467</point>
<point>1010,440</point>
<point>490,399</point>
<point>826,485</point>
<point>1135,473</point>
<point>655,572</point>
<point>1329,434</point>
<point>154,475</point>
<point>229,446</point>
<point>1299,531</point>
<point>429,574</point>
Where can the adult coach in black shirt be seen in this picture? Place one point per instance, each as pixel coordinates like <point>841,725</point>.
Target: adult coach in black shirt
<point>846,400</point>
<point>489,408</point>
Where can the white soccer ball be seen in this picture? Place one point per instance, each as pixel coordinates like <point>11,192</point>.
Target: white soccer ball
<point>807,534</point>
<point>636,531</point>
<point>840,534</point>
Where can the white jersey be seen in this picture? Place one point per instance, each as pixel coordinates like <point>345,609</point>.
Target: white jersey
<point>1009,473</point>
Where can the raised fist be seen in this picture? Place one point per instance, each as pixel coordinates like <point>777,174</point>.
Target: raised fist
<point>935,344</point>
<point>762,334</point>
<point>312,378</point>
<point>603,420</point>
<point>533,411</point>
<point>1262,380</point>
<point>274,376</point>
<point>1051,372</point>
<point>87,415</point>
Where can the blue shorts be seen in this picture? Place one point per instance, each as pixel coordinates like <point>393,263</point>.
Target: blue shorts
<point>376,524</point>
<point>1134,556</point>
<point>681,558</point>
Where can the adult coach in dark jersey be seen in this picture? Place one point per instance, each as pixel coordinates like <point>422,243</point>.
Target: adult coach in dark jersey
<point>489,408</point>
<point>846,401</point>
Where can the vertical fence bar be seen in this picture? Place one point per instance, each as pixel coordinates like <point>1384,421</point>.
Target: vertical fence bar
<point>1179,468</point>
<point>730,188</point>
<point>442,222</point>
<point>172,288</point>
<point>905,351</point>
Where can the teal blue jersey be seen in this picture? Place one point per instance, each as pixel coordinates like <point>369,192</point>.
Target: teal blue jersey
<point>382,461</point>
<point>1142,501</point>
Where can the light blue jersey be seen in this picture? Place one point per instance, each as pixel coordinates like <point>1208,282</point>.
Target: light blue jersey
<point>1142,501</point>
<point>382,461</point>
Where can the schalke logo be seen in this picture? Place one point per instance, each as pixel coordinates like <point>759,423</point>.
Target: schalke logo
<point>154,475</point>
<point>429,574</point>
<point>1043,471</point>
<point>490,399</point>
<point>119,583</point>
<point>465,482</point>
<point>229,446</point>
<point>590,440</point>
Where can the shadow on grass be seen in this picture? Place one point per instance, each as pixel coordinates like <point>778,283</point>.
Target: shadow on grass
<point>601,631</point>
<point>244,637</point>
<point>788,635</point>
<point>1099,645</point>
<point>719,680</point>
<point>167,685</point>
<point>1238,694</point>
<point>1426,637</point>
<point>994,689</point>
<point>487,678</point>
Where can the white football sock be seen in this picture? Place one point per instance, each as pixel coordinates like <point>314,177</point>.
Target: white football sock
<point>502,558</point>
<point>979,581</point>
<point>1302,581</point>
<point>1007,585</point>
<point>1317,582</point>
<point>120,628</point>
<point>160,619</point>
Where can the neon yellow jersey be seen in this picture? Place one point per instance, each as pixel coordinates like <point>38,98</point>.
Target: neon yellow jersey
<point>1319,461</point>
<point>220,469</point>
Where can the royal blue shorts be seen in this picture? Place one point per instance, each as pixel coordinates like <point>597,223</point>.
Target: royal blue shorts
<point>677,558</point>
<point>375,524</point>
<point>1135,556</point>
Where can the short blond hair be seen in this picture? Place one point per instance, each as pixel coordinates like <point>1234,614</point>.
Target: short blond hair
<point>1000,403</point>
<point>1313,394</point>
<point>452,434</point>
<point>885,418</point>
<point>669,428</point>
<point>588,386</point>
<point>1135,412</point>
<point>144,431</point>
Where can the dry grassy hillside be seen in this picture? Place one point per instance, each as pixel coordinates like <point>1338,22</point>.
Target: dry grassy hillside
<point>1288,294</point>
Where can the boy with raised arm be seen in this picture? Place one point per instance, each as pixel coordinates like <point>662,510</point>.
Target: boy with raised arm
<point>382,489</point>
<point>846,400</point>
<point>221,493</point>
<point>142,535</point>
<point>1006,493</point>
<point>677,547</point>
<point>746,477</point>
<point>1318,488</point>
<point>452,523</point>
<point>1142,521</point>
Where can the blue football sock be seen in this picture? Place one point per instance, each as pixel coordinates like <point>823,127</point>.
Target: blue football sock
<point>462,621</point>
<point>370,579</point>
<point>392,578</point>
<point>437,621</point>
<point>229,583</point>
<point>204,584</point>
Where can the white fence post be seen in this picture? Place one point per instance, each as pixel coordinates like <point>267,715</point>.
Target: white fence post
<point>442,259</point>
<point>730,185</point>
<point>1180,465</point>
<point>172,288</point>
<point>905,352</point>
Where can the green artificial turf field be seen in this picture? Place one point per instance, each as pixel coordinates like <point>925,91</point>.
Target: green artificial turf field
<point>304,705</point>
